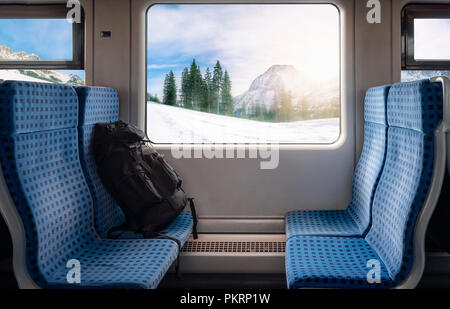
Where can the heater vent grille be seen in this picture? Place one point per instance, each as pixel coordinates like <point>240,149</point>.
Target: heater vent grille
<point>235,246</point>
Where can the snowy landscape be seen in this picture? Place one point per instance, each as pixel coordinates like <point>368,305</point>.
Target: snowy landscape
<point>43,76</point>
<point>170,124</point>
<point>317,98</point>
<point>282,105</point>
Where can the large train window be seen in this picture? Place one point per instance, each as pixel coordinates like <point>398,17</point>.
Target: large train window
<point>425,41</point>
<point>243,73</point>
<point>41,43</point>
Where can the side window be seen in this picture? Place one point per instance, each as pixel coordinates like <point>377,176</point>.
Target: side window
<point>243,73</point>
<point>39,43</point>
<point>425,41</point>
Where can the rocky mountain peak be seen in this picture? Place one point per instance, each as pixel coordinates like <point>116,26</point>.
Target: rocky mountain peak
<point>7,53</point>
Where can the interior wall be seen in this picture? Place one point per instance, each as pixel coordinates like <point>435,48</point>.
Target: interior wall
<point>88,9</point>
<point>111,58</point>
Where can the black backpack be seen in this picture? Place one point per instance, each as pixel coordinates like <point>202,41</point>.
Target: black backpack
<point>146,187</point>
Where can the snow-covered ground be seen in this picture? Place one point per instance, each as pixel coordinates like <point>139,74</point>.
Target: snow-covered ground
<point>42,76</point>
<point>15,75</point>
<point>168,124</point>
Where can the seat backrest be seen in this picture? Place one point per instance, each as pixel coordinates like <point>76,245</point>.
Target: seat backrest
<point>414,111</point>
<point>97,104</point>
<point>370,165</point>
<point>39,160</point>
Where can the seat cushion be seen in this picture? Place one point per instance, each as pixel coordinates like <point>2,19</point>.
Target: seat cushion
<point>320,222</point>
<point>107,213</point>
<point>414,112</point>
<point>331,262</point>
<point>415,105</point>
<point>121,264</point>
<point>375,109</point>
<point>97,104</point>
<point>28,107</point>
<point>367,175</point>
<point>180,229</point>
<point>400,196</point>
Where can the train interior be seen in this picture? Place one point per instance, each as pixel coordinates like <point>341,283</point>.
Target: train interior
<point>309,143</point>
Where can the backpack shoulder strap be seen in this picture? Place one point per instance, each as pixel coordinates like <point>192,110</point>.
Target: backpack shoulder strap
<point>194,217</point>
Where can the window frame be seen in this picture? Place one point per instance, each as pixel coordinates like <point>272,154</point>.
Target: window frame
<point>342,117</point>
<point>420,11</point>
<point>47,11</point>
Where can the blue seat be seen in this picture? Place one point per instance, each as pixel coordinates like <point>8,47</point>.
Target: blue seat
<point>331,262</point>
<point>99,104</point>
<point>40,164</point>
<point>414,112</point>
<point>355,220</point>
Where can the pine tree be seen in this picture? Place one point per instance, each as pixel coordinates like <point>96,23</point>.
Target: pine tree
<point>269,115</point>
<point>303,109</point>
<point>186,93</point>
<point>153,98</point>
<point>286,107</point>
<point>216,86</point>
<point>258,112</point>
<point>196,84</point>
<point>166,89</point>
<point>275,109</point>
<point>251,110</point>
<point>243,111</point>
<point>227,98</point>
<point>263,113</point>
<point>206,100</point>
<point>170,90</point>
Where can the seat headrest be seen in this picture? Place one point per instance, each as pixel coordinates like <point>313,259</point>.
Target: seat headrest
<point>27,107</point>
<point>375,104</point>
<point>415,105</point>
<point>97,104</point>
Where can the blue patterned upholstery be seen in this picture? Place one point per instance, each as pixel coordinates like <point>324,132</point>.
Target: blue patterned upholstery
<point>416,106</point>
<point>100,104</point>
<point>97,104</point>
<point>36,107</point>
<point>375,104</point>
<point>320,222</point>
<point>40,163</point>
<point>332,262</point>
<point>180,229</point>
<point>367,174</point>
<point>355,220</point>
<point>131,264</point>
<point>414,111</point>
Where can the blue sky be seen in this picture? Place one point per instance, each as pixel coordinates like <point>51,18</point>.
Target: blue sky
<point>431,39</point>
<point>246,39</point>
<point>50,39</point>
